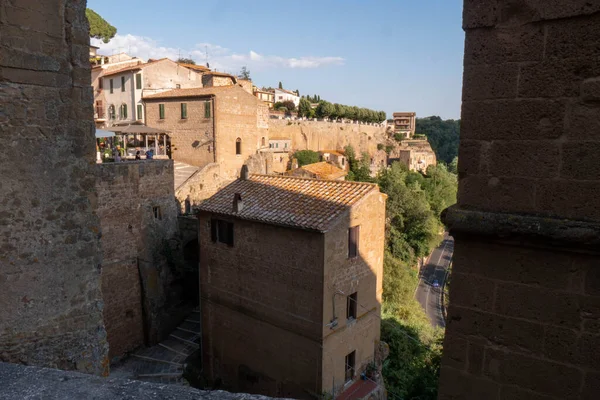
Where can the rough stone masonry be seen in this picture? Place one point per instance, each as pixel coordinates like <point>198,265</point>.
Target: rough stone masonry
<point>524,317</point>
<point>50,302</point>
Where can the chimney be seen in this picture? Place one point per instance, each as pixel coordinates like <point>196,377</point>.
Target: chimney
<point>238,204</point>
<point>244,173</point>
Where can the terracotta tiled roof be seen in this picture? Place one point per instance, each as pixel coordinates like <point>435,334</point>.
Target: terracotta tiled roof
<point>195,67</point>
<point>302,203</point>
<point>324,170</point>
<point>136,67</point>
<point>224,74</point>
<point>191,92</point>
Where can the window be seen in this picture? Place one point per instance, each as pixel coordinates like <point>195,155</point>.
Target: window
<point>238,146</point>
<point>122,84</point>
<point>157,212</point>
<point>139,111</point>
<point>177,86</point>
<point>161,111</point>
<point>221,231</point>
<point>353,234</point>
<point>100,83</point>
<point>343,161</point>
<point>111,85</point>
<point>286,145</point>
<point>350,359</point>
<point>351,303</point>
<point>277,145</point>
<point>111,112</point>
<point>207,109</point>
<point>138,81</point>
<point>262,142</point>
<point>123,111</point>
<point>183,110</point>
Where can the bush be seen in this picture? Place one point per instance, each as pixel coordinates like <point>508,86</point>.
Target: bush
<point>380,146</point>
<point>306,157</point>
<point>398,137</point>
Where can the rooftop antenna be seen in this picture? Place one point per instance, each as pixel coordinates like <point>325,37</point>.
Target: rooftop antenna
<point>206,55</point>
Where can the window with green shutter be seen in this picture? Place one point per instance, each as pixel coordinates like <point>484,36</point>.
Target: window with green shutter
<point>122,84</point>
<point>124,111</point>
<point>138,81</point>
<point>161,111</point>
<point>111,85</point>
<point>207,109</point>
<point>139,111</point>
<point>183,110</point>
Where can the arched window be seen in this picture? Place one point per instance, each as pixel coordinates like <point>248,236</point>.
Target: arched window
<point>111,111</point>
<point>262,142</point>
<point>238,146</point>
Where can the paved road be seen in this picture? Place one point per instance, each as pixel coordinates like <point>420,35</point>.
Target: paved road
<point>435,268</point>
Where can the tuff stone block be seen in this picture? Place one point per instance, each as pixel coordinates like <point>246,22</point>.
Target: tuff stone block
<point>480,13</point>
<point>525,158</point>
<point>584,122</point>
<point>575,38</point>
<point>469,159</point>
<point>579,161</point>
<point>516,393</point>
<point>569,199</point>
<point>555,78</point>
<point>472,291</point>
<point>455,355</point>
<point>537,304</point>
<point>590,90</point>
<point>541,376</point>
<point>455,385</point>
<point>517,120</point>
<point>491,82</point>
<point>591,386</point>
<point>560,344</point>
<point>500,46</point>
<point>502,194</point>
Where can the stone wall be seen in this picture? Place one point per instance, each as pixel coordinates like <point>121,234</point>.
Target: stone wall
<point>202,185</point>
<point>525,304</point>
<point>321,135</point>
<point>138,216</point>
<point>261,309</point>
<point>51,303</point>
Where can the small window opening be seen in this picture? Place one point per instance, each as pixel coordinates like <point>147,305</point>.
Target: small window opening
<point>238,146</point>
<point>222,231</point>
<point>353,234</point>
<point>157,212</point>
<point>350,361</point>
<point>351,303</point>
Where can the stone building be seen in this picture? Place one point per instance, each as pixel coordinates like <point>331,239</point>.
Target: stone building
<point>123,88</point>
<point>224,125</point>
<point>320,170</point>
<point>214,78</point>
<point>524,314</point>
<point>282,95</point>
<point>265,95</point>
<point>416,154</point>
<point>336,157</point>
<point>280,150</point>
<point>291,283</point>
<point>405,124</point>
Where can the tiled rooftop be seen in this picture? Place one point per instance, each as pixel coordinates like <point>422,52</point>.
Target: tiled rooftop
<point>302,203</point>
<point>336,152</point>
<point>324,170</point>
<point>192,92</point>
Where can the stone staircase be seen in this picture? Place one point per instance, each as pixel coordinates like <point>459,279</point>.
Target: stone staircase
<point>163,363</point>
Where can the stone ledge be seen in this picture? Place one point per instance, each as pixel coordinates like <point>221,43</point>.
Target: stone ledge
<point>545,230</point>
<point>24,382</point>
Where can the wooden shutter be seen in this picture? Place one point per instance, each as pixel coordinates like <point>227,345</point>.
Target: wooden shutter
<point>139,111</point>
<point>161,111</point>
<point>138,81</point>
<point>183,110</point>
<point>207,109</point>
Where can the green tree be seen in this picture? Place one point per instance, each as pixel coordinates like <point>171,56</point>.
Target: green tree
<point>453,166</point>
<point>245,74</point>
<point>99,27</point>
<point>186,61</point>
<point>304,109</point>
<point>280,85</point>
<point>306,157</point>
<point>324,109</point>
<point>442,135</point>
<point>289,105</point>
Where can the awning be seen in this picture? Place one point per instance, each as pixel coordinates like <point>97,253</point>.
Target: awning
<point>103,134</point>
<point>136,130</point>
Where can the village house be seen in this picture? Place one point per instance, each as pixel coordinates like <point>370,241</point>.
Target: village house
<point>214,78</point>
<point>123,88</point>
<point>336,157</point>
<point>268,96</point>
<point>282,95</point>
<point>320,170</point>
<point>280,149</point>
<point>291,283</point>
<point>222,124</point>
<point>405,124</point>
<point>416,154</point>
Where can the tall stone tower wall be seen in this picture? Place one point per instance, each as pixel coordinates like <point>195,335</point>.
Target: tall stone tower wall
<point>524,317</point>
<point>50,299</point>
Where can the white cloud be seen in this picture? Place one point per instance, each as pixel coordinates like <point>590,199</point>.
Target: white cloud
<point>220,58</point>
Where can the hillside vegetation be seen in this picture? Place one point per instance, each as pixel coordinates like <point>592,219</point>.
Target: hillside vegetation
<point>413,228</point>
<point>443,136</point>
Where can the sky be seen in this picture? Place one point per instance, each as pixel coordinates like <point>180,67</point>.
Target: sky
<point>390,55</point>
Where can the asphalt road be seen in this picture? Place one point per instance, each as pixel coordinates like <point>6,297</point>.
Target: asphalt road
<point>435,268</point>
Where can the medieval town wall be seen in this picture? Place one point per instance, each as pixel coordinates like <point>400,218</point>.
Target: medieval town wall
<point>524,314</point>
<point>51,301</point>
<point>321,135</point>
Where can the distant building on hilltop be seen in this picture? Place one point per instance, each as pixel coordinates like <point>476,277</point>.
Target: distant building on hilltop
<point>416,154</point>
<point>268,96</point>
<point>291,284</point>
<point>282,95</point>
<point>336,157</point>
<point>405,124</point>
